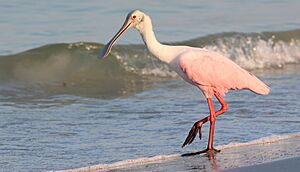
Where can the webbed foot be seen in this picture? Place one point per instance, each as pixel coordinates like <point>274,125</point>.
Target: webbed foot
<point>193,132</point>
<point>210,152</point>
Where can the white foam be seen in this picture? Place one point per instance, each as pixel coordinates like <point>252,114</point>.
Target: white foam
<point>256,53</point>
<point>264,140</point>
<point>125,163</point>
<point>162,72</point>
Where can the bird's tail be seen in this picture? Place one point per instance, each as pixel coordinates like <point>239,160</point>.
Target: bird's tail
<point>257,86</point>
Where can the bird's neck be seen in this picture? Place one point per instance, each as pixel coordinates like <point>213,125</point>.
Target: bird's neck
<point>160,51</point>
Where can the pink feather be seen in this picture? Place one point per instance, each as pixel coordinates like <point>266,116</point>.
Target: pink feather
<point>212,72</point>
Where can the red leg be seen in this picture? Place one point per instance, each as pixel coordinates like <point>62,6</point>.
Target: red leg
<point>224,107</point>
<point>198,125</point>
<point>212,119</point>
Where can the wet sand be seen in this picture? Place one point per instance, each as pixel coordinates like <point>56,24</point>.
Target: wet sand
<point>275,153</point>
<point>291,165</point>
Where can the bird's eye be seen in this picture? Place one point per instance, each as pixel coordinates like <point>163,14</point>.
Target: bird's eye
<point>134,17</point>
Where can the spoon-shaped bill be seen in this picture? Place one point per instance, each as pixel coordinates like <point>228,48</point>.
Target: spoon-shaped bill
<point>104,52</point>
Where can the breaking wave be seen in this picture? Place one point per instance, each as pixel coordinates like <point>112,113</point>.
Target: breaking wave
<point>75,65</point>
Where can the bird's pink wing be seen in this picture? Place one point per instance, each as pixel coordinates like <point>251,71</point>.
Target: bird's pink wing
<point>213,72</point>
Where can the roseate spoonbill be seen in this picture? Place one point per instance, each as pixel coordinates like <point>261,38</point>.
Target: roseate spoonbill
<point>211,72</point>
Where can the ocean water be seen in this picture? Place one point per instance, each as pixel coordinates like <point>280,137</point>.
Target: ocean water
<point>61,107</point>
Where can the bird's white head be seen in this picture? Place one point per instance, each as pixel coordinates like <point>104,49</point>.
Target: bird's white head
<point>134,19</point>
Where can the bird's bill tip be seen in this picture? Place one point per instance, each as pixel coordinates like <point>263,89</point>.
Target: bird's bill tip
<point>106,49</point>
<point>104,52</point>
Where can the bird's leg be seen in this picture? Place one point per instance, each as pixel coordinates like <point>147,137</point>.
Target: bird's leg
<point>212,121</point>
<point>197,127</point>
<point>224,107</point>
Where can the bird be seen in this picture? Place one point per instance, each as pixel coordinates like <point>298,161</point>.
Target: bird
<point>212,73</point>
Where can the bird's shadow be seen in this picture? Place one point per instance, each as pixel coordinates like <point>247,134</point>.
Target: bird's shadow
<point>211,157</point>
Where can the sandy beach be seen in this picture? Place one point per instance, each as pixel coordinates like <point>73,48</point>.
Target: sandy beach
<point>291,165</point>
<point>266,154</point>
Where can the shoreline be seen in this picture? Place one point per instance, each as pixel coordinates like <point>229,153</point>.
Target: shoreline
<point>290,165</point>
<point>238,156</point>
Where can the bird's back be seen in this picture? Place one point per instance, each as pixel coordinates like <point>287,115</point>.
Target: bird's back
<point>212,72</point>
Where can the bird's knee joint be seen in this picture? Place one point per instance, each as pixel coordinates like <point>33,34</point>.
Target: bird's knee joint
<point>225,107</point>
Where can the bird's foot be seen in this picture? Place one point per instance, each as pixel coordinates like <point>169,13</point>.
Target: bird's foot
<point>212,152</point>
<point>209,152</point>
<point>193,132</point>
